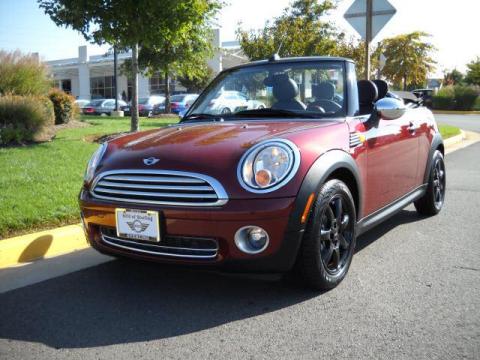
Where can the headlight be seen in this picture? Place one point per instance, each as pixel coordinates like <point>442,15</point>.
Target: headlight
<point>94,161</point>
<point>268,165</point>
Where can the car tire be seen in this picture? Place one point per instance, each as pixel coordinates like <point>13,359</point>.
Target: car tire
<point>328,244</point>
<point>432,202</point>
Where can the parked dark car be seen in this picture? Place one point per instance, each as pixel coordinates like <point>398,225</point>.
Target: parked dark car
<point>145,105</point>
<point>285,188</point>
<point>425,95</point>
<point>102,106</point>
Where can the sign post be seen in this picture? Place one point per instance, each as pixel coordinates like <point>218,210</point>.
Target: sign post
<point>368,17</point>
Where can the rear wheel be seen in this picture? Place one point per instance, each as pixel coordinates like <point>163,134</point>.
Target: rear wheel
<point>432,202</point>
<point>329,240</point>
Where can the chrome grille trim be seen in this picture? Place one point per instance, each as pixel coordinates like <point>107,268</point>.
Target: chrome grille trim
<point>154,249</point>
<point>159,187</point>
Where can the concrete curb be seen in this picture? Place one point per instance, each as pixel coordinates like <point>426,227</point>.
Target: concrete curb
<point>63,240</point>
<point>454,139</point>
<point>44,244</point>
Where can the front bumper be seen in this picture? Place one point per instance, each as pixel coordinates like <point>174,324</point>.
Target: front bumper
<point>218,224</point>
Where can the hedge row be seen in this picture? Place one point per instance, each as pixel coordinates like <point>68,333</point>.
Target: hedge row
<point>23,118</point>
<point>455,98</point>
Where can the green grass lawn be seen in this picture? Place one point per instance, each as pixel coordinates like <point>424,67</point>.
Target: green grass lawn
<point>40,183</point>
<point>448,131</point>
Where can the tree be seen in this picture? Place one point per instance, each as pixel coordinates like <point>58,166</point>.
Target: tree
<point>128,24</point>
<point>199,82</point>
<point>473,72</point>
<point>300,31</point>
<point>453,77</point>
<point>409,59</point>
<point>355,50</point>
<point>180,50</point>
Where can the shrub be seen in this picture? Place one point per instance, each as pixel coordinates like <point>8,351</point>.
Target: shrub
<point>444,99</point>
<point>24,118</point>
<point>22,74</point>
<point>465,97</point>
<point>477,104</point>
<point>63,105</point>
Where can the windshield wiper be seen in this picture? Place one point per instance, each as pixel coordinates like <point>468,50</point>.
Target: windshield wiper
<point>273,113</point>
<point>202,117</point>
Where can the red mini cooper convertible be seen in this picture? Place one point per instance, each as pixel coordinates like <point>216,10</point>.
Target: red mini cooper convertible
<point>278,166</point>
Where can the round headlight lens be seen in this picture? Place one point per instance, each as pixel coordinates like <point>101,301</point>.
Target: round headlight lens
<point>268,164</point>
<point>94,161</point>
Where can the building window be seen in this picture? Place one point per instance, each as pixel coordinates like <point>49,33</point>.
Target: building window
<point>157,84</point>
<point>65,85</point>
<point>102,87</point>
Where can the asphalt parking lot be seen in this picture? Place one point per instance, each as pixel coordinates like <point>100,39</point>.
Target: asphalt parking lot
<point>413,292</point>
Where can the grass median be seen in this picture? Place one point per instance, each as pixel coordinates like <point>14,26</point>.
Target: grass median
<point>40,183</point>
<point>448,131</point>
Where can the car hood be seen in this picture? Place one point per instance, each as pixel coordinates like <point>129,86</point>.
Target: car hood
<point>215,148</point>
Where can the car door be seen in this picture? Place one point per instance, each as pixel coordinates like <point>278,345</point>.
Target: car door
<point>392,152</point>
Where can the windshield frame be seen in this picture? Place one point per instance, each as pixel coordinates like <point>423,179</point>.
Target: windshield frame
<point>283,62</point>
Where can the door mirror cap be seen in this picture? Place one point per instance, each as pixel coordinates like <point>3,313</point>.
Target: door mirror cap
<point>390,108</point>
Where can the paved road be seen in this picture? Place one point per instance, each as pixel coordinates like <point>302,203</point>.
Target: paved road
<point>413,292</point>
<point>465,122</point>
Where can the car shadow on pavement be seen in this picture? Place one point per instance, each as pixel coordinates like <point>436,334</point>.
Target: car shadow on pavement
<point>126,301</point>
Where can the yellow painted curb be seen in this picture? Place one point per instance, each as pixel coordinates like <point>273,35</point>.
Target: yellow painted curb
<point>26,248</point>
<point>456,112</point>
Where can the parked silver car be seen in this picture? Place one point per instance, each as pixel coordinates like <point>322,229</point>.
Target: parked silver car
<point>102,106</point>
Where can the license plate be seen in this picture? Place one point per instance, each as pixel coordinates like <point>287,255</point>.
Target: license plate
<point>138,224</point>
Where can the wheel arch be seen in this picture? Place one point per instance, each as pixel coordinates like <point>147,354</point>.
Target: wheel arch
<point>436,144</point>
<point>336,164</point>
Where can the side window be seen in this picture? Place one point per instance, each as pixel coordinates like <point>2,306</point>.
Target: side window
<point>109,104</point>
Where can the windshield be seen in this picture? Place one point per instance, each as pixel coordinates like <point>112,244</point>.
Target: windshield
<point>301,89</point>
<point>143,101</point>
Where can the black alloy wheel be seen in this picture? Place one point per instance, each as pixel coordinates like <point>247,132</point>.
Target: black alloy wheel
<point>434,198</point>
<point>329,240</point>
<point>336,235</point>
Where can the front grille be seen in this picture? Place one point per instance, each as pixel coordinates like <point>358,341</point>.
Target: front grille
<point>170,246</point>
<point>159,188</point>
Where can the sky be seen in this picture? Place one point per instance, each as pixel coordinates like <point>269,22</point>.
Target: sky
<point>452,24</point>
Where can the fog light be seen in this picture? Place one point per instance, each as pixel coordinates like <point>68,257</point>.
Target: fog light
<point>251,239</point>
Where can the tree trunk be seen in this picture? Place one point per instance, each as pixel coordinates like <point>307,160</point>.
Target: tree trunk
<point>135,126</point>
<point>167,91</point>
<point>404,82</point>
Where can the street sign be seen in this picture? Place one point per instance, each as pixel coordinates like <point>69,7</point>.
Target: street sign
<point>368,17</point>
<point>356,16</point>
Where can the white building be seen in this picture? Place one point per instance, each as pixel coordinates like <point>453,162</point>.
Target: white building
<point>87,77</point>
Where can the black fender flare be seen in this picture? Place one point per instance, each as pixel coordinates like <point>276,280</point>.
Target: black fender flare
<point>318,173</point>
<point>436,142</point>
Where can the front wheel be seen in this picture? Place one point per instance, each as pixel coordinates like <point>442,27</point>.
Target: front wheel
<point>329,240</point>
<point>432,202</point>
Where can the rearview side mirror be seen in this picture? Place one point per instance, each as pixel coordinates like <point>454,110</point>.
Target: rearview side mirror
<point>390,108</point>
